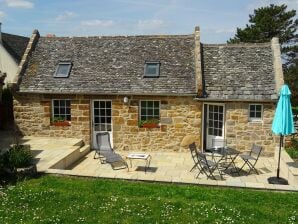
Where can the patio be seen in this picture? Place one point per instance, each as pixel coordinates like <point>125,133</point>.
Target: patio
<point>69,157</point>
<point>172,167</point>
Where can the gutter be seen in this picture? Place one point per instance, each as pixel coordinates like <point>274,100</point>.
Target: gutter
<point>105,94</point>
<point>234,100</point>
<point>195,97</point>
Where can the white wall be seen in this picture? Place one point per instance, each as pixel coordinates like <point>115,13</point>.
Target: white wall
<point>8,65</point>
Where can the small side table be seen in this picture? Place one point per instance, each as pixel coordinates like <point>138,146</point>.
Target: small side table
<point>142,156</point>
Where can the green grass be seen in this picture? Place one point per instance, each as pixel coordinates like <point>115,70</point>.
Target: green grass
<point>293,152</point>
<point>52,199</point>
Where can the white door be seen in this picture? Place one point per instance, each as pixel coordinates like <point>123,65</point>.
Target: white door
<point>101,119</point>
<point>215,123</point>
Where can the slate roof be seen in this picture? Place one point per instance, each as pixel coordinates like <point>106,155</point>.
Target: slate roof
<point>243,71</point>
<point>115,65</point>
<point>15,45</point>
<point>112,65</point>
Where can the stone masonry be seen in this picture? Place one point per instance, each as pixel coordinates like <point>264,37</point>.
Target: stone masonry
<point>180,117</point>
<point>33,116</point>
<point>241,133</point>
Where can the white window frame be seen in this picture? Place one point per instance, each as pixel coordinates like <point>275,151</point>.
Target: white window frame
<point>255,119</point>
<point>53,107</point>
<point>100,116</point>
<point>204,122</point>
<point>140,108</point>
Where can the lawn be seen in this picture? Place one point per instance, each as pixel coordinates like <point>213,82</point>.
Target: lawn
<point>52,199</point>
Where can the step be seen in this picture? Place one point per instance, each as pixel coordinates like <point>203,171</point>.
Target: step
<point>77,153</point>
<point>80,143</point>
<point>85,150</point>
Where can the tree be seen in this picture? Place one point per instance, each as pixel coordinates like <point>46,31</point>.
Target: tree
<point>291,78</point>
<point>268,22</point>
<point>275,21</point>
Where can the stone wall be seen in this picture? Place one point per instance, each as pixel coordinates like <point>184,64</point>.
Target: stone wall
<point>180,116</point>
<point>241,133</point>
<point>32,114</point>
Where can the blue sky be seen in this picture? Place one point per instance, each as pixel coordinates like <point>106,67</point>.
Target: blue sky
<point>218,19</point>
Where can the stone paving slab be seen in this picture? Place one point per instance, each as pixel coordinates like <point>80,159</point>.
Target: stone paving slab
<point>175,167</point>
<point>171,167</point>
<point>48,151</point>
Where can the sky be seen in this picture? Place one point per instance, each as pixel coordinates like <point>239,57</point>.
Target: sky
<point>218,19</point>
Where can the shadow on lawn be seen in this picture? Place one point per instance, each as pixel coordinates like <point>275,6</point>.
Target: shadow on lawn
<point>9,179</point>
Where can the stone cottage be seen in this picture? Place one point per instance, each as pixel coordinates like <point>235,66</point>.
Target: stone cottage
<point>79,86</point>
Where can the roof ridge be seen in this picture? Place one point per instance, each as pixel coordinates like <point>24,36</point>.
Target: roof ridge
<point>15,35</point>
<point>266,44</point>
<point>123,36</point>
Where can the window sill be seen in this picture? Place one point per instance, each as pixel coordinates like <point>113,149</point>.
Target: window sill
<point>61,123</point>
<point>149,126</point>
<point>255,121</point>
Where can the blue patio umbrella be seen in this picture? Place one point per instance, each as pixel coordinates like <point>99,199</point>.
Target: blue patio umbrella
<point>283,123</point>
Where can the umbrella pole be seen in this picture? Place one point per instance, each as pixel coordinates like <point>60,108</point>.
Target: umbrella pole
<point>280,145</point>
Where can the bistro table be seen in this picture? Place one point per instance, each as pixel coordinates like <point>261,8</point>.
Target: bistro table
<point>226,155</point>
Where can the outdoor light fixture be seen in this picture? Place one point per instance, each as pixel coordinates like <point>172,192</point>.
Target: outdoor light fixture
<point>125,100</point>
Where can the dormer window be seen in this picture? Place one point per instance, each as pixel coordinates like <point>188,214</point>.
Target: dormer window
<point>151,69</point>
<point>63,70</point>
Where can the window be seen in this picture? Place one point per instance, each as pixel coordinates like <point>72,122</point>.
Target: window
<point>255,112</point>
<point>63,70</point>
<point>149,110</point>
<point>61,110</point>
<point>151,69</point>
<point>215,120</point>
<point>102,115</point>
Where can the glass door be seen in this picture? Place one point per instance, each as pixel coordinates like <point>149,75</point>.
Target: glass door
<point>215,123</point>
<point>101,119</point>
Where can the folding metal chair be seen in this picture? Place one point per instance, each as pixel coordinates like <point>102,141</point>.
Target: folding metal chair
<point>252,158</point>
<point>194,155</point>
<point>207,166</point>
<point>202,163</point>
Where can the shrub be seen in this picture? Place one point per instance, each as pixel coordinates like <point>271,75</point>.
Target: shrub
<point>294,143</point>
<point>3,161</point>
<point>292,149</point>
<point>19,156</point>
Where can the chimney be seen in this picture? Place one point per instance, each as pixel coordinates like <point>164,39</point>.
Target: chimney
<point>277,64</point>
<point>0,33</point>
<point>198,63</point>
<point>50,35</point>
